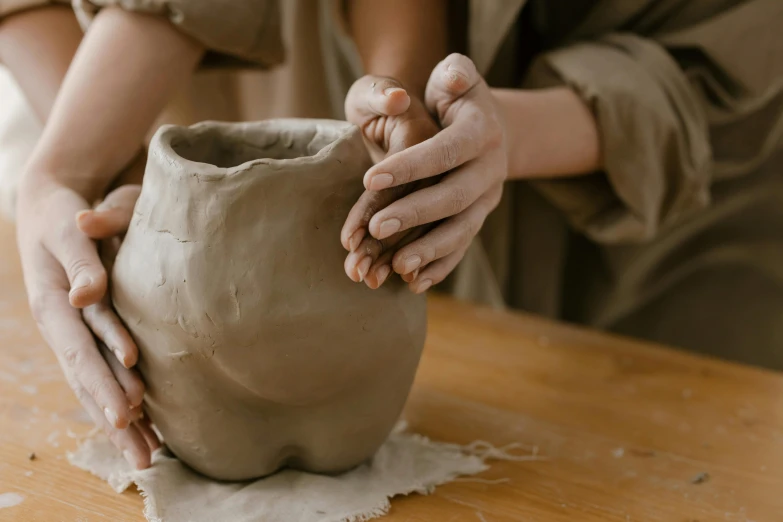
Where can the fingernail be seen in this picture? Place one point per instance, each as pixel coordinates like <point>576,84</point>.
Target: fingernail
<point>111,416</point>
<point>133,405</point>
<point>409,278</point>
<point>411,264</point>
<point>382,274</point>
<point>103,207</point>
<point>363,267</point>
<point>125,361</point>
<point>120,357</point>
<point>456,69</point>
<point>381,181</point>
<point>389,227</point>
<point>356,239</point>
<point>81,281</point>
<point>131,459</point>
<point>136,414</point>
<point>424,286</point>
<point>82,213</point>
<point>391,90</point>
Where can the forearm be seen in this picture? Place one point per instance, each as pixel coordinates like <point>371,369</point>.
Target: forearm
<point>403,40</point>
<point>126,69</point>
<point>37,46</point>
<point>550,133</point>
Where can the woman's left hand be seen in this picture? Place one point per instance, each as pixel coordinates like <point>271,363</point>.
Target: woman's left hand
<point>469,153</point>
<point>107,223</point>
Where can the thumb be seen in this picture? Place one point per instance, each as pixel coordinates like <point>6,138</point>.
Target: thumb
<point>75,252</point>
<point>373,96</point>
<point>451,79</point>
<point>112,216</point>
<point>79,257</point>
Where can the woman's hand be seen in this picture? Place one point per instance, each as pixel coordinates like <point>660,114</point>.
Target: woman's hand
<point>391,121</point>
<point>63,274</point>
<point>107,223</point>
<point>126,69</point>
<point>453,181</point>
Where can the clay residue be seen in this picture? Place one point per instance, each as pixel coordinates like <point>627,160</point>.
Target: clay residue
<point>234,291</point>
<point>8,500</point>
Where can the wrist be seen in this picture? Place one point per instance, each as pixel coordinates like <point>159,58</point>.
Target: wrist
<point>34,190</point>
<point>550,133</point>
<point>37,183</point>
<point>87,169</point>
<point>89,179</point>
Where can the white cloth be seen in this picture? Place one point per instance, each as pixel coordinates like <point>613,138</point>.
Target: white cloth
<point>406,463</point>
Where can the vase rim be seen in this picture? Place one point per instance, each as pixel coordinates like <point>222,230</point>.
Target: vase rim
<point>334,132</point>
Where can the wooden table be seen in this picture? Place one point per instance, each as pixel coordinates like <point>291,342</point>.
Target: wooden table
<point>630,432</point>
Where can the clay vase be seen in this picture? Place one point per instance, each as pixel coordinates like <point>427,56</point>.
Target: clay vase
<point>257,351</point>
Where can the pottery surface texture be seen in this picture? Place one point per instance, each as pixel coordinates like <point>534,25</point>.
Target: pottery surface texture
<point>256,349</point>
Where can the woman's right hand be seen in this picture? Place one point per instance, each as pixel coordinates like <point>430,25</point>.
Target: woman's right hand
<point>67,286</point>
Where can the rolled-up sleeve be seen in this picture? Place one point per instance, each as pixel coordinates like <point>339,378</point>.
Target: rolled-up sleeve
<point>662,104</point>
<point>233,31</point>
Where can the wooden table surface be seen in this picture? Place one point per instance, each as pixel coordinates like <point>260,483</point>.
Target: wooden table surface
<point>630,431</point>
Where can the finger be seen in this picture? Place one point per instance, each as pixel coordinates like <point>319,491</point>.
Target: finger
<point>112,216</point>
<point>355,239</point>
<point>145,428</point>
<point>455,145</point>
<point>359,261</point>
<point>456,192</point>
<point>128,378</point>
<point>408,278</point>
<point>373,96</point>
<point>134,446</point>
<point>462,139</point>
<point>370,202</point>
<point>136,414</point>
<point>381,268</point>
<point>450,80</point>
<point>105,324</point>
<point>436,272</point>
<point>76,350</point>
<point>355,226</point>
<point>77,254</point>
<point>380,271</point>
<point>130,441</point>
<point>456,233</point>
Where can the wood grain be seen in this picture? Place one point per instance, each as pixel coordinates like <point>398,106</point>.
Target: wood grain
<point>629,431</point>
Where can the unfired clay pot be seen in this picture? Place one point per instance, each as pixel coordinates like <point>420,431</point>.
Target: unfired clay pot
<point>257,351</point>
